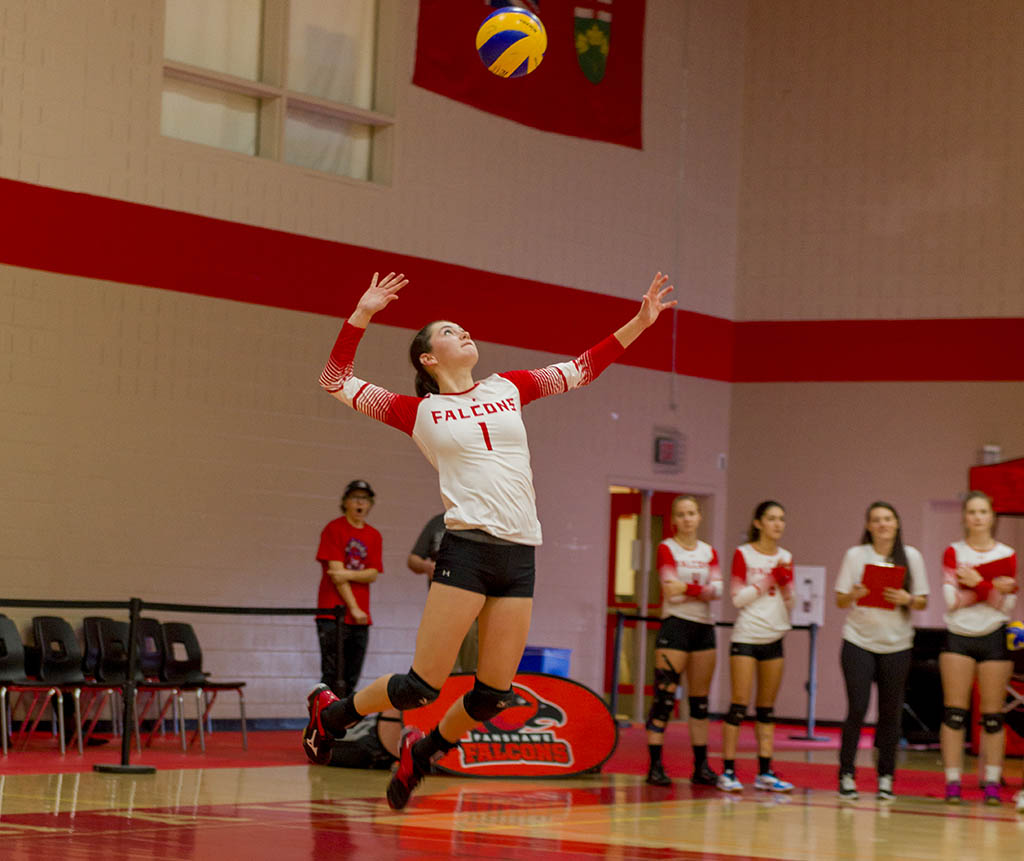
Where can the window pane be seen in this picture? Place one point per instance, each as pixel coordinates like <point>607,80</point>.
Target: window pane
<point>223,35</point>
<point>208,116</point>
<point>328,144</point>
<point>331,50</point>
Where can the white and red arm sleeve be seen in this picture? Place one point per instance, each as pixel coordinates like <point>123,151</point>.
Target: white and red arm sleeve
<point>378,403</point>
<point>712,590</point>
<point>743,593</point>
<point>955,595</point>
<point>666,565</point>
<point>558,378</point>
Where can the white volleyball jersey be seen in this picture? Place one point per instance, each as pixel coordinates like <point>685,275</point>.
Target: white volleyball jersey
<point>475,439</point>
<point>698,568</point>
<point>763,605</point>
<point>878,629</point>
<point>968,614</point>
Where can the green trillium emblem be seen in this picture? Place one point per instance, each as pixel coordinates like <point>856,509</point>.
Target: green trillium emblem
<point>593,35</point>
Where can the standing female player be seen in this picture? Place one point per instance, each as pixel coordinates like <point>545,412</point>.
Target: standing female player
<point>762,591</point>
<point>690,580</point>
<point>877,642</point>
<point>473,434</point>
<point>980,589</point>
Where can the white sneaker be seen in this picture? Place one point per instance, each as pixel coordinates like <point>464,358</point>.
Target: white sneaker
<point>1020,801</point>
<point>848,788</point>
<point>727,782</point>
<point>772,782</point>
<point>885,792</point>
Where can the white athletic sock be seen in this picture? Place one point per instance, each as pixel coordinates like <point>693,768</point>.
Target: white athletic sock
<point>993,773</point>
<point>952,775</point>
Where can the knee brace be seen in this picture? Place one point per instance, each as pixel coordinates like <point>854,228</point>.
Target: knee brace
<point>661,709</point>
<point>737,712</point>
<point>764,715</point>
<point>409,691</point>
<point>993,722</point>
<point>698,708</point>
<point>482,702</point>
<point>955,718</point>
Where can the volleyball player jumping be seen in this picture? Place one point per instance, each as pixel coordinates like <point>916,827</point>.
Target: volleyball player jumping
<point>473,435</point>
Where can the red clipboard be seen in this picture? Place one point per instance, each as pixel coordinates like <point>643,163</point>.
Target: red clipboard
<point>997,568</point>
<point>878,578</point>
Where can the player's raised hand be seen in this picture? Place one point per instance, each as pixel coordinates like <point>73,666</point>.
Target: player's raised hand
<point>655,300</point>
<point>378,295</point>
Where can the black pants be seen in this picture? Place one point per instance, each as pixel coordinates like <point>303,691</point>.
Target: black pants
<point>353,650</point>
<point>889,672</point>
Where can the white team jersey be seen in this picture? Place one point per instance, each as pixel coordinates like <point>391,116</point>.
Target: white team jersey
<point>878,629</point>
<point>475,439</point>
<point>763,612</point>
<point>477,443</point>
<point>967,615</point>
<point>698,566</point>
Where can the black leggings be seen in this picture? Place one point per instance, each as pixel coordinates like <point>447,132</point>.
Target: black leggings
<point>353,649</point>
<point>889,672</point>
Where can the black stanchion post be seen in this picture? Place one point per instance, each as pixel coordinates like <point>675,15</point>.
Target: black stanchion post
<point>128,717</point>
<point>812,686</point>
<point>339,652</point>
<point>620,620</point>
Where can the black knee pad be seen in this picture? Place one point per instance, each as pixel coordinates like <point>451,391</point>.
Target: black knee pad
<point>698,707</point>
<point>993,722</point>
<point>955,718</point>
<point>482,702</point>
<point>764,715</point>
<point>661,709</point>
<point>409,691</point>
<point>737,712</point>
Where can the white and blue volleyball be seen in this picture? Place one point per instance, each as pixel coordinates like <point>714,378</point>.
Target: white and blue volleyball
<point>511,42</point>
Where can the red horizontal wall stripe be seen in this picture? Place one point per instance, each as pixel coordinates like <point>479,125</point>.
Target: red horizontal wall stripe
<point>97,237</point>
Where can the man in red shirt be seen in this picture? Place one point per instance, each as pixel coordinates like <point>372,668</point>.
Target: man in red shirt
<point>350,557</point>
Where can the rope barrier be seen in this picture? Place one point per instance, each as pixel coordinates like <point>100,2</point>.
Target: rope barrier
<point>811,685</point>
<point>135,606</point>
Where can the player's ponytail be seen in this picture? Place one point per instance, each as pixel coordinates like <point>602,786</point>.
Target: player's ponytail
<point>425,384</point>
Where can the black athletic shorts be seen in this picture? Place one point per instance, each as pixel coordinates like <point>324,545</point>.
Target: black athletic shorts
<point>758,651</point>
<point>685,635</point>
<point>498,570</point>
<point>988,647</point>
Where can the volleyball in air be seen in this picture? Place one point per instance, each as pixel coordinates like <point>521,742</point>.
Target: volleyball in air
<point>1015,636</point>
<point>511,42</point>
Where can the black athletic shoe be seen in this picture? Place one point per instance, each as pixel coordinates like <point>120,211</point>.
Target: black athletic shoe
<point>656,775</point>
<point>316,740</point>
<point>704,775</point>
<point>408,774</point>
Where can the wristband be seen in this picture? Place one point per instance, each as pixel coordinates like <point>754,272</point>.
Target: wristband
<point>983,589</point>
<point>694,590</point>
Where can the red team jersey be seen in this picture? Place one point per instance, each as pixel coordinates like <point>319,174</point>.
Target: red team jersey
<point>475,439</point>
<point>357,550</point>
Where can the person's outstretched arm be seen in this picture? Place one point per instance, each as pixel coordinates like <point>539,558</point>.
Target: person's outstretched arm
<point>338,378</point>
<point>583,370</point>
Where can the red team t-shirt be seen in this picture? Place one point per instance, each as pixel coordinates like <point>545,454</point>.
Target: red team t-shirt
<point>357,550</point>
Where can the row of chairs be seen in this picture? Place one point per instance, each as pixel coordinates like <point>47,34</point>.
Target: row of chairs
<point>170,663</point>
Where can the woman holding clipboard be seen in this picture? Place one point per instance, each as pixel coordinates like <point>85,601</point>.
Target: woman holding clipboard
<point>980,588</point>
<point>881,580</point>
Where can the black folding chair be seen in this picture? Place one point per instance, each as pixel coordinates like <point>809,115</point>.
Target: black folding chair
<point>13,679</point>
<point>183,666</point>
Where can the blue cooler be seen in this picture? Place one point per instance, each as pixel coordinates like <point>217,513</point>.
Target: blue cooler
<point>544,659</point>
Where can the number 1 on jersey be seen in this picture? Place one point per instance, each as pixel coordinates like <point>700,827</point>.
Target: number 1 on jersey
<point>487,436</point>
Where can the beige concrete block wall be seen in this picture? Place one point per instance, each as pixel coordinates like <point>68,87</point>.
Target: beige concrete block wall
<point>881,169</point>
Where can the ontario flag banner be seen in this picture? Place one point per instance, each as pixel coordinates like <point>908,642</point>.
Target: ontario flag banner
<point>589,85</point>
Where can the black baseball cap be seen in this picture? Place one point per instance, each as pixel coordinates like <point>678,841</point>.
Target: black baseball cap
<point>358,484</point>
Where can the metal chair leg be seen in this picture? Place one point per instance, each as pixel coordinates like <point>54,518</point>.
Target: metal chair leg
<point>241,709</point>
